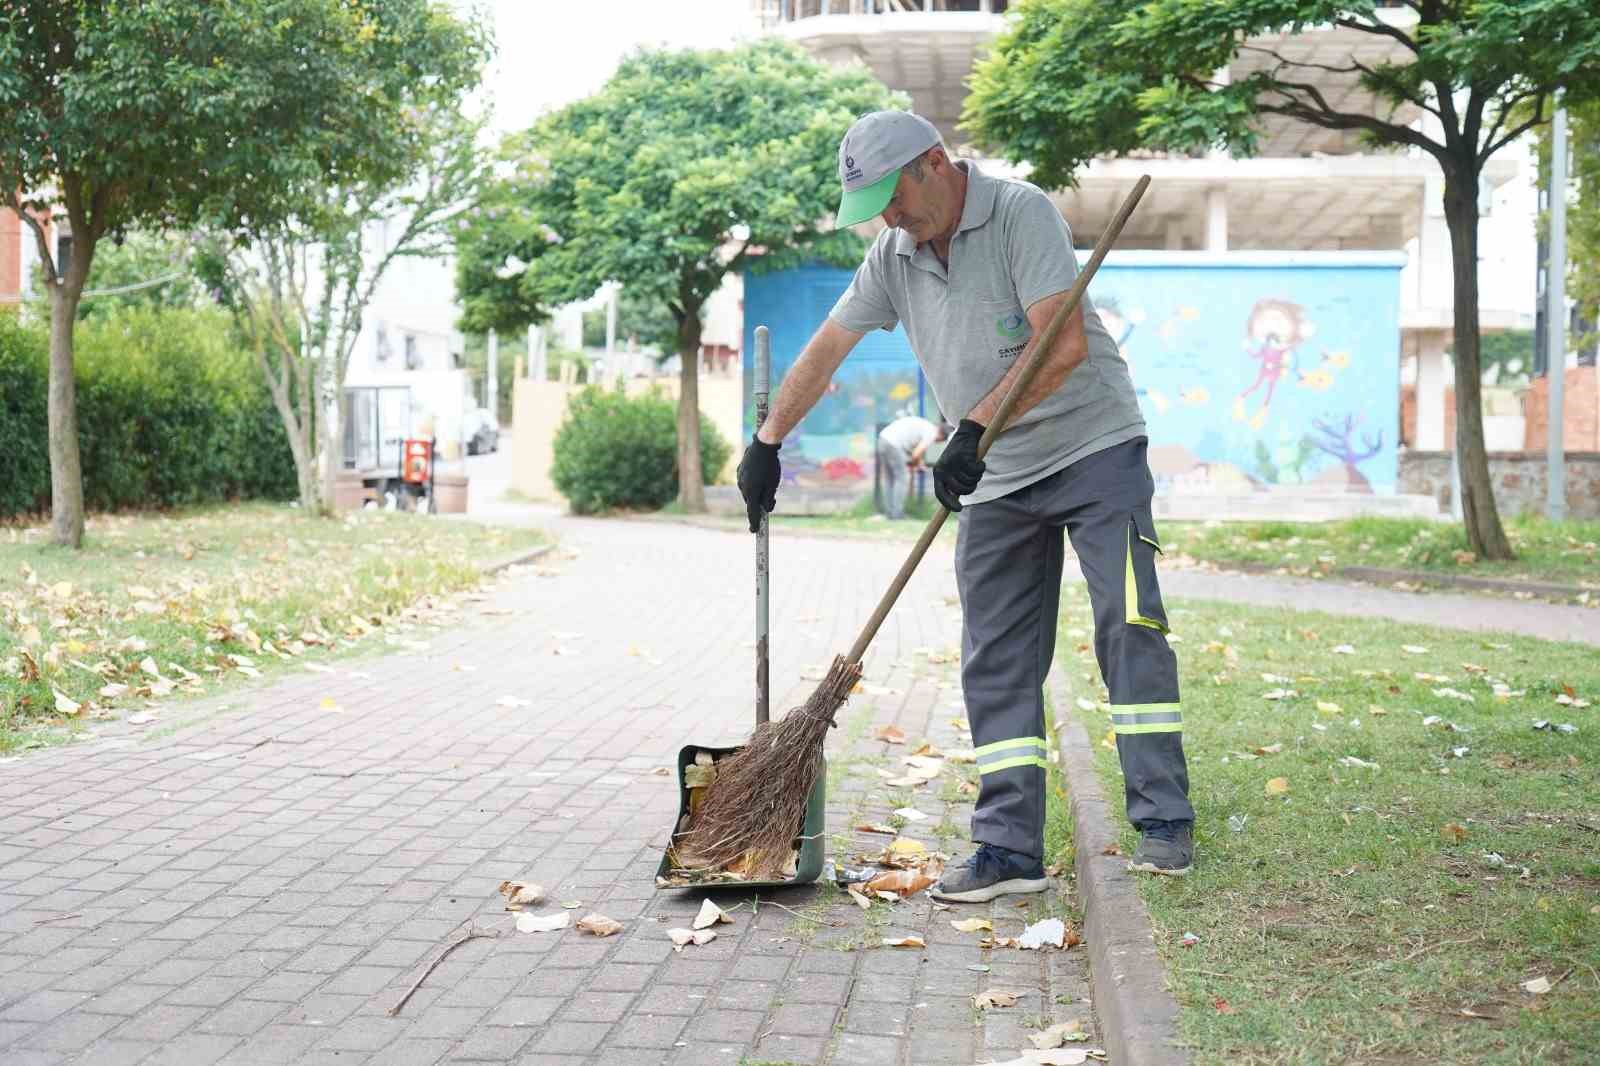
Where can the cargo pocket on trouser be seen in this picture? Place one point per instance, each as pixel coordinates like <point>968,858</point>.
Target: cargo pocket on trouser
<point>1141,593</point>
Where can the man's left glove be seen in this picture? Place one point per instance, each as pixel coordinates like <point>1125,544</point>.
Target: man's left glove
<point>759,474</point>
<point>959,469</point>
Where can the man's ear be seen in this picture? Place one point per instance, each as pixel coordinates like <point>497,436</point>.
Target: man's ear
<point>938,158</point>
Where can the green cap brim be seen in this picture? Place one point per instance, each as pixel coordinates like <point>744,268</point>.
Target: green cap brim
<point>866,202</point>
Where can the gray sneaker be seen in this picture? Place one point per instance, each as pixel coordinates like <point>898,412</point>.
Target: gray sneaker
<point>991,871</point>
<point>1164,848</point>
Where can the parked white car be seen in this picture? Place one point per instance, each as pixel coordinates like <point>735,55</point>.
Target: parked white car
<point>480,431</point>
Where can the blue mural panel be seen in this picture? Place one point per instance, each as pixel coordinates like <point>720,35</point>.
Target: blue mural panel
<point>835,446</point>
<point>1254,370</point>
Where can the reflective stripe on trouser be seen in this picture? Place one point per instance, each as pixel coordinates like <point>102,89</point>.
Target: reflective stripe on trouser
<point>1008,567</point>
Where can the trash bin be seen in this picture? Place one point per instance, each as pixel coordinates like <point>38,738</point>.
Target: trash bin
<point>449,493</point>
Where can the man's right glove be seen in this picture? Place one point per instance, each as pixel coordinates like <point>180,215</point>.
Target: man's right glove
<point>959,469</point>
<point>759,474</point>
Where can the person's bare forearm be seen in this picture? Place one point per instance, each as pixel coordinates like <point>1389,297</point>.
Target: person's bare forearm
<point>807,380</point>
<point>1070,349</point>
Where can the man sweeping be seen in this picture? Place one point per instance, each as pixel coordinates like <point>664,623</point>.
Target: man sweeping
<point>974,267</point>
<point>901,446</point>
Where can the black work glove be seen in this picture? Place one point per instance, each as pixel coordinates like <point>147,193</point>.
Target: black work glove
<point>759,474</point>
<point>959,469</point>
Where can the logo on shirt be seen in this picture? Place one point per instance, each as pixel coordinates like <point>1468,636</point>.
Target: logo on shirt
<point>1010,325</point>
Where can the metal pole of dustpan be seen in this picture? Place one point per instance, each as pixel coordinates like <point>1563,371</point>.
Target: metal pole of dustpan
<point>762,385</point>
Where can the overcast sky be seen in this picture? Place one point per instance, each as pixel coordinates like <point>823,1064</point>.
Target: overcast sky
<point>551,52</point>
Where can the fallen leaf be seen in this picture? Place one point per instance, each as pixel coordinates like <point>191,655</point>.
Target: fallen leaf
<point>876,827</point>
<point>542,923</point>
<point>904,942</point>
<point>1344,649</point>
<point>330,704</point>
<point>929,750</point>
<point>599,924</point>
<point>972,925</point>
<point>65,704</point>
<point>1057,1035</point>
<point>891,733</point>
<point>860,900</point>
<point>910,814</point>
<point>521,894</point>
<point>142,718</point>
<point>572,904</point>
<point>660,771</point>
<point>681,938</point>
<point>902,883</point>
<point>710,914</point>
<point>1453,832</point>
<point>1111,849</point>
<point>1277,786</point>
<point>1354,761</point>
<point>1538,986</point>
<point>113,690</point>
<point>1413,649</point>
<point>1329,707</point>
<point>995,997</point>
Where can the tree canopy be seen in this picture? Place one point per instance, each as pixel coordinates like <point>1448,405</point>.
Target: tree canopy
<point>1456,79</point>
<point>686,165</point>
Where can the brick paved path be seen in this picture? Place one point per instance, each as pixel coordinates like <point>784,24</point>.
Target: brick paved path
<point>261,884</point>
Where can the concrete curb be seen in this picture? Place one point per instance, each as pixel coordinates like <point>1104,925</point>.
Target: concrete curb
<point>522,555</point>
<point>1382,576</point>
<point>1138,1015</point>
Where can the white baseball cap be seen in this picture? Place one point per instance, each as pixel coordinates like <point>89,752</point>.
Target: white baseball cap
<point>870,158</point>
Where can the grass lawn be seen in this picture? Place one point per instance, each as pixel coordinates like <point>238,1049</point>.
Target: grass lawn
<point>161,606</point>
<point>1557,552</point>
<point>1382,863</point>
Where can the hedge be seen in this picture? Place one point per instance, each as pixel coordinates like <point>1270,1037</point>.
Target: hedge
<point>170,412</point>
<point>618,451</point>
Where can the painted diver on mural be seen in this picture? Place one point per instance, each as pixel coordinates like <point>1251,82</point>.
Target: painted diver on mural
<point>1275,328</point>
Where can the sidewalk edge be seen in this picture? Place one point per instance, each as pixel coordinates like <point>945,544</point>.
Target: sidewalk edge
<point>1138,1015</point>
<point>522,555</point>
<point>1378,575</point>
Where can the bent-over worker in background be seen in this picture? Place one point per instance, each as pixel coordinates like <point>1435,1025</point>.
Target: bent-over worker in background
<point>901,446</point>
<point>974,267</point>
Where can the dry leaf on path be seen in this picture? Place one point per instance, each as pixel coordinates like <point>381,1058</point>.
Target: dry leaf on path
<point>873,827</point>
<point>1056,1035</point>
<point>891,733</point>
<point>972,925</point>
<point>599,924</point>
<point>995,997</point>
<point>710,914</point>
<point>521,894</point>
<point>904,942</point>
<point>65,704</point>
<point>142,718</point>
<point>860,900</point>
<point>910,814</point>
<point>929,750</point>
<point>542,923</point>
<point>681,938</point>
<point>902,883</point>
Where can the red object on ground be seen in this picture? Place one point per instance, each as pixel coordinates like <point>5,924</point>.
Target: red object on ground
<point>415,458</point>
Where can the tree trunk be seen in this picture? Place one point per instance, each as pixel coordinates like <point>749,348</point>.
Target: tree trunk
<point>691,482</point>
<point>328,431</point>
<point>1485,536</point>
<point>66,464</point>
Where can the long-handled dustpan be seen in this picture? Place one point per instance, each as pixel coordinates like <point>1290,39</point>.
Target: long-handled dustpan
<point>695,761</point>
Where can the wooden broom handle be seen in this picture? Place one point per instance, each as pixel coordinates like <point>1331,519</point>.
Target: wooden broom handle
<point>1013,396</point>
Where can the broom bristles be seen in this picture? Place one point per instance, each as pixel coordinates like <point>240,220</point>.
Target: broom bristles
<point>756,806</point>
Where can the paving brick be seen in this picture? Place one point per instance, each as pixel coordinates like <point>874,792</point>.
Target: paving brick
<point>571,1037</point>
<point>71,1032</point>
<point>493,1044</point>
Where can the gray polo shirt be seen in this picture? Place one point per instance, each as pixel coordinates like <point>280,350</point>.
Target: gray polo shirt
<point>967,325</point>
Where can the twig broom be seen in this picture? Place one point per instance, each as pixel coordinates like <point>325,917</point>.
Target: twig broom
<point>754,809</point>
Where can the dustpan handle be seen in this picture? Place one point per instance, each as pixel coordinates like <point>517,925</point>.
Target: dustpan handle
<point>997,424</point>
<point>762,385</point>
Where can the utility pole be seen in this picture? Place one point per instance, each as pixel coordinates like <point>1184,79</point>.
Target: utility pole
<point>1556,322</point>
<point>491,377</point>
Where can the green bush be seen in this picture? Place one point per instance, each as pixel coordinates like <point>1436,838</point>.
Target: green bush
<point>613,450</point>
<point>170,412</point>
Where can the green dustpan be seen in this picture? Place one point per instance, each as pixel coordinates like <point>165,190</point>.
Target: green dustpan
<point>809,867</point>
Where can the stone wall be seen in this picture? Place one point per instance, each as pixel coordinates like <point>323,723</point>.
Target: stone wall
<point>1518,477</point>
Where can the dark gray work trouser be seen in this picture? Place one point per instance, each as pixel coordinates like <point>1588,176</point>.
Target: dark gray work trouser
<point>1008,571</point>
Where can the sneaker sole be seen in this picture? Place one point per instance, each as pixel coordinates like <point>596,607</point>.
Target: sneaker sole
<point>1016,886</point>
<point>1152,868</point>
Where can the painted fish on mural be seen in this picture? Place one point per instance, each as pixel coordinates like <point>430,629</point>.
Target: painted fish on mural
<point>902,391</point>
<point>1317,379</point>
<point>1273,331</point>
<point>1339,360</point>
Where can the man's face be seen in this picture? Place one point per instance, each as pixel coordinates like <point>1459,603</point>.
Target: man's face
<point>923,208</point>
